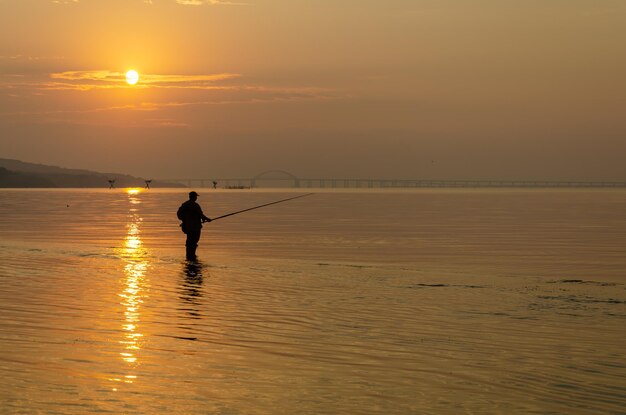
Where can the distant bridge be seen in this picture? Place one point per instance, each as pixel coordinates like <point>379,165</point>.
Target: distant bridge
<point>284,179</point>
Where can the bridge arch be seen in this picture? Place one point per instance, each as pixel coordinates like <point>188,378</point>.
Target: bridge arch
<point>275,175</point>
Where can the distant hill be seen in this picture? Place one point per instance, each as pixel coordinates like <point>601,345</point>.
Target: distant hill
<point>10,178</point>
<point>16,173</point>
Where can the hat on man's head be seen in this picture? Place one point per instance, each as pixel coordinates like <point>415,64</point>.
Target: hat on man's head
<point>193,194</point>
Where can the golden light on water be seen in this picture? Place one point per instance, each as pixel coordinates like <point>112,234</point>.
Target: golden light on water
<point>132,77</point>
<point>132,243</point>
<point>133,287</point>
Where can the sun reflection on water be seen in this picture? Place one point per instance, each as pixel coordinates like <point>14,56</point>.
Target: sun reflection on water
<point>132,191</point>
<point>134,286</point>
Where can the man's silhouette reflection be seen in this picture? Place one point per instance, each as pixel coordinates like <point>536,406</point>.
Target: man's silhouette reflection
<point>191,296</point>
<point>193,273</point>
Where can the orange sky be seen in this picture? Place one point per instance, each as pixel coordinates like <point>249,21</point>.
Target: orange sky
<point>389,89</point>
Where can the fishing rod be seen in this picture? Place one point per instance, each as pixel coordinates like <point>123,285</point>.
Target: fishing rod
<point>260,206</point>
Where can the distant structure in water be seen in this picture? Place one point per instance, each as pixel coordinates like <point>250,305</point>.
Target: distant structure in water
<point>148,183</point>
<point>284,179</point>
<point>111,183</point>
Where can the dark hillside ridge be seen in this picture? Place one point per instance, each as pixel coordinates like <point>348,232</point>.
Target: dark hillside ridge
<point>16,179</point>
<point>16,173</point>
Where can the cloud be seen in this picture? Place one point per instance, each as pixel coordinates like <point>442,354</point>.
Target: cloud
<point>102,79</point>
<point>247,95</point>
<point>166,109</point>
<point>166,122</point>
<point>38,100</point>
<point>27,58</point>
<point>105,80</point>
<point>107,122</point>
<point>181,2</point>
<point>118,77</point>
<point>211,2</point>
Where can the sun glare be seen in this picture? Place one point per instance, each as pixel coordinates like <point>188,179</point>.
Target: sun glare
<point>132,77</point>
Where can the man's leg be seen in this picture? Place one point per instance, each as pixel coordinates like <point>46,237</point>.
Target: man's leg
<point>192,243</point>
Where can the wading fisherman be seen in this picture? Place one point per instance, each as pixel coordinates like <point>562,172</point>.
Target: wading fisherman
<point>190,213</point>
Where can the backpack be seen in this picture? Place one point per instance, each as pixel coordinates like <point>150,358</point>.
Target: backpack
<point>180,214</point>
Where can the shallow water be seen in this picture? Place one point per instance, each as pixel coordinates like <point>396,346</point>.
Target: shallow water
<point>394,302</point>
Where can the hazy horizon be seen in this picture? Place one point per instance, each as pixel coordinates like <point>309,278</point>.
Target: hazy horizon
<point>398,89</point>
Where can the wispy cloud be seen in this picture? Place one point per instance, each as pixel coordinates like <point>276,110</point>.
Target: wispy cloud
<point>211,2</point>
<point>145,78</point>
<point>45,100</point>
<point>170,112</point>
<point>29,58</point>
<point>104,80</point>
<point>90,80</point>
<point>260,95</point>
<point>181,2</point>
<point>166,122</point>
<point>107,122</point>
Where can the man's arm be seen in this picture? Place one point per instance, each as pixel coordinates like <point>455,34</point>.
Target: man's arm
<point>202,216</point>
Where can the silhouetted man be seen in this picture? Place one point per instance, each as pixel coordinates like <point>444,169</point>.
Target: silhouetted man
<point>190,213</point>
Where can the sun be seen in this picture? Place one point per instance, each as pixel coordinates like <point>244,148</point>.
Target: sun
<point>132,77</point>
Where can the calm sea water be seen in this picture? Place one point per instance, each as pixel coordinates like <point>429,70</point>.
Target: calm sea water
<point>414,302</point>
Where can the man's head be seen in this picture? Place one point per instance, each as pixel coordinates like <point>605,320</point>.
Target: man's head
<point>193,196</point>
